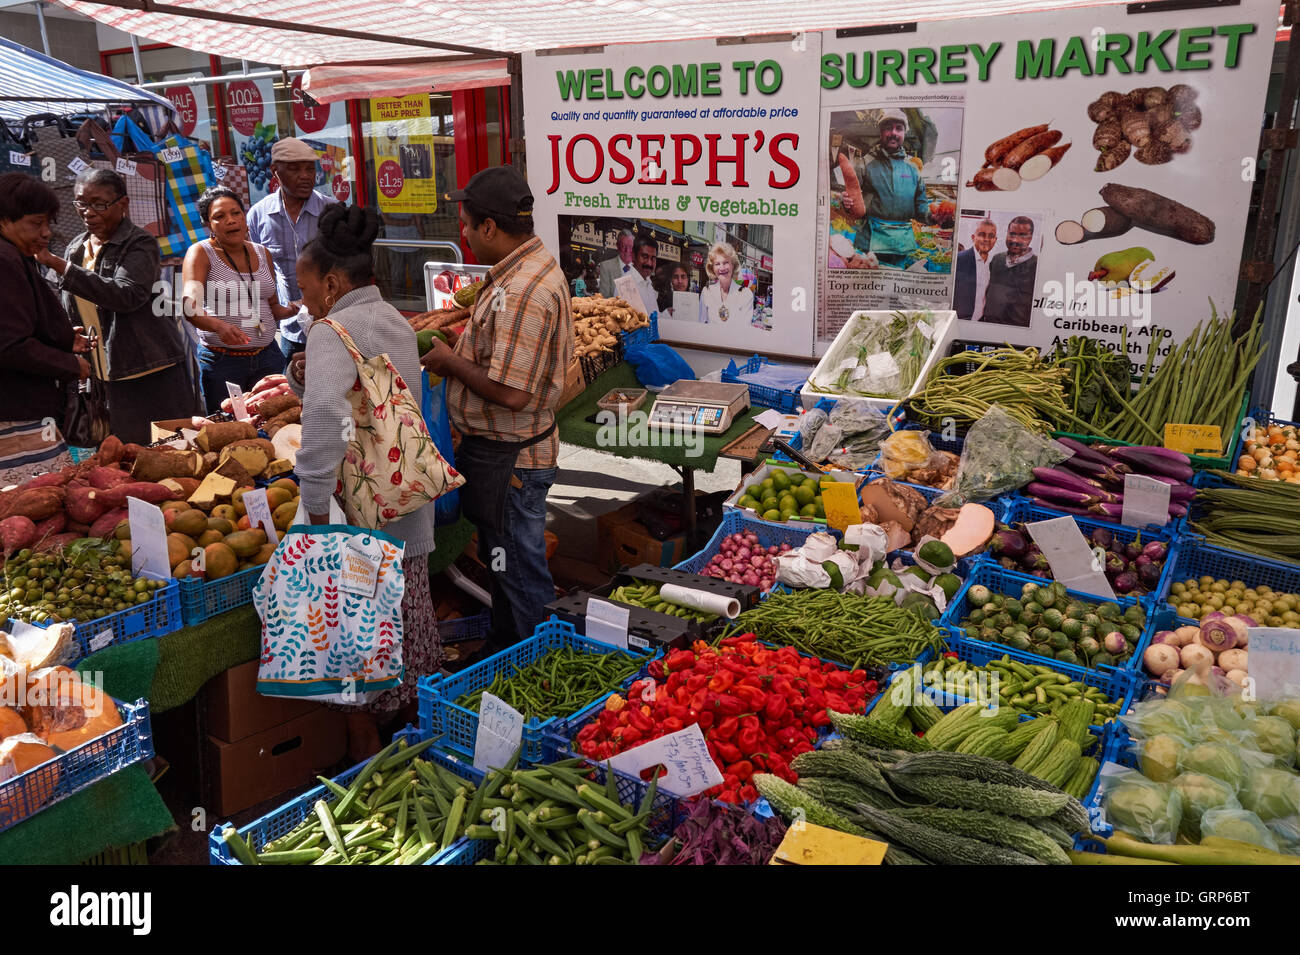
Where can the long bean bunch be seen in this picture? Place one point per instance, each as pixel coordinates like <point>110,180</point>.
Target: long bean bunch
<point>1016,380</point>
<point>849,629</point>
<point>1201,382</point>
<point>557,683</point>
<point>1255,516</point>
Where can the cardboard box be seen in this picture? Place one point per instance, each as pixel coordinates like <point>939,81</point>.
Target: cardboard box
<point>273,761</point>
<point>235,710</point>
<point>167,428</point>
<point>625,542</point>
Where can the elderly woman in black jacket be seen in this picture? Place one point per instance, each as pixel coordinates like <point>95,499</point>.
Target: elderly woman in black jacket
<point>39,351</point>
<point>109,280</point>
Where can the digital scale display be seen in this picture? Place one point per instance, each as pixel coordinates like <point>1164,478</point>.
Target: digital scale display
<point>698,405</point>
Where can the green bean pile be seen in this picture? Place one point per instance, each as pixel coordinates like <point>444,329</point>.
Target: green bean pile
<point>559,683</point>
<point>1016,380</point>
<point>856,631</point>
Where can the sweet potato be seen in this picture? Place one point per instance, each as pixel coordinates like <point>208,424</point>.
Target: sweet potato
<point>154,464</point>
<point>129,453</point>
<point>55,543</point>
<point>52,525</point>
<point>16,533</point>
<point>217,434</point>
<point>38,503</point>
<point>83,505</point>
<point>53,479</point>
<point>81,530</point>
<point>107,523</point>
<point>993,155</point>
<point>105,477</point>
<point>111,450</point>
<point>278,404</point>
<point>143,490</point>
<point>267,383</point>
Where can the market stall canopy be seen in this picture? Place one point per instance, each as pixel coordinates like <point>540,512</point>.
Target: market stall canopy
<point>31,82</point>
<point>330,84</point>
<point>295,33</point>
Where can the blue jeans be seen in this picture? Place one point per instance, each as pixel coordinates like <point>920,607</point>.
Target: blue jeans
<point>290,348</point>
<point>521,579</point>
<point>242,370</point>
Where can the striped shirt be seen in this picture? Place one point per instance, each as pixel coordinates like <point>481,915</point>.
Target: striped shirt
<point>231,297</point>
<point>522,333</point>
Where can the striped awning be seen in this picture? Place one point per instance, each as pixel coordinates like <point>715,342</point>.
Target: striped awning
<point>31,82</point>
<point>330,84</point>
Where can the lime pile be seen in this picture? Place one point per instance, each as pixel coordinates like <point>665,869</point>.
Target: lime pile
<point>784,496</point>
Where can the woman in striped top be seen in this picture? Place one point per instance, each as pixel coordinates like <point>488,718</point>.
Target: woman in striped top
<point>230,298</point>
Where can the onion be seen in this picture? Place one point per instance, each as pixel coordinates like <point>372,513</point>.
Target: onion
<point>1194,654</point>
<point>773,550</point>
<point>751,579</point>
<point>1160,658</point>
<point>1222,634</point>
<point>727,565</point>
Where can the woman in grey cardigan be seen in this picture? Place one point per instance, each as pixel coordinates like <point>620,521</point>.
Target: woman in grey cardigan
<point>336,278</point>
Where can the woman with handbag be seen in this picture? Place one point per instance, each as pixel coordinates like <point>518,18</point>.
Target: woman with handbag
<point>336,276</point>
<point>109,277</point>
<point>39,351</point>
<point>230,297</point>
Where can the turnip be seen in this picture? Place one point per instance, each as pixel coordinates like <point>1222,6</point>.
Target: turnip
<point>1171,675</point>
<point>1194,654</point>
<point>1233,660</point>
<point>1160,658</point>
<point>1165,636</point>
<point>1186,635</point>
<point>1114,643</point>
<point>1238,677</point>
<point>1222,634</point>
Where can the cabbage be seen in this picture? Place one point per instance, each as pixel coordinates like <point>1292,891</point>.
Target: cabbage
<point>1274,735</point>
<point>1238,825</point>
<point>1271,793</point>
<point>1151,811</point>
<point>1159,756</point>
<point>1200,794</point>
<point>1219,760</point>
<point>1289,710</point>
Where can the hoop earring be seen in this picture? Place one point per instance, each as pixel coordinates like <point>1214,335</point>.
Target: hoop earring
<point>329,301</point>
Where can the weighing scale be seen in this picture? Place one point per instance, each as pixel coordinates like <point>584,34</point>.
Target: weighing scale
<point>707,406</point>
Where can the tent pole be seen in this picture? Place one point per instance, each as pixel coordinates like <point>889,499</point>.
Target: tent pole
<point>135,53</point>
<point>514,65</point>
<point>40,19</point>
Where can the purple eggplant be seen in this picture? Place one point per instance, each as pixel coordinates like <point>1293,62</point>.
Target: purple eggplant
<point>1177,510</point>
<point>1102,537</point>
<point>1008,542</point>
<point>1149,575</point>
<point>1133,549</point>
<point>1107,511</point>
<point>1086,466</point>
<point>1075,498</point>
<point>1037,562</point>
<point>1152,460</point>
<point>1057,506</point>
<point>1156,550</point>
<point>1125,583</point>
<point>1085,453</point>
<point>1178,491</point>
<point>1115,565</point>
<point>1070,482</point>
<point>1008,563</point>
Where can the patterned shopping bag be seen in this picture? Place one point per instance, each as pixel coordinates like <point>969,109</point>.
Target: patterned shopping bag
<point>189,173</point>
<point>391,466</point>
<point>325,634</point>
<point>234,177</point>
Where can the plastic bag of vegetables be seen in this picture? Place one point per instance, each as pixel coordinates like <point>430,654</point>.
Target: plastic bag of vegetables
<point>999,454</point>
<point>1238,824</point>
<point>1162,717</point>
<point>1200,794</point>
<point>1134,804</point>
<point>1272,794</point>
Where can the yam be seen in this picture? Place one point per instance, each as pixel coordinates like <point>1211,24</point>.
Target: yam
<point>1173,133</point>
<point>81,530</point>
<point>1108,135</point>
<point>1160,214</point>
<point>214,490</point>
<point>278,468</point>
<point>1153,153</point>
<point>233,468</point>
<point>1137,98</point>
<point>210,460</point>
<point>1104,222</point>
<point>16,533</point>
<point>154,464</point>
<point>1031,147</point>
<point>148,491</point>
<point>217,434</point>
<point>1136,126</point>
<point>1162,114</point>
<point>894,502</point>
<point>253,455</point>
<point>38,503</point>
<point>107,523</point>
<point>1182,96</point>
<point>1069,232</point>
<point>1099,110</point>
<point>995,152</point>
<point>111,450</point>
<point>129,453</point>
<point>1155,96</point>
<point>969,535</point>
<point>183,486</point>
<point>106,477</point>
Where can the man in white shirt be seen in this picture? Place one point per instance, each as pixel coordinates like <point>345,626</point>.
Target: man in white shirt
<point>973,272</point>
<point>617,265</point>
<point>645,256</point>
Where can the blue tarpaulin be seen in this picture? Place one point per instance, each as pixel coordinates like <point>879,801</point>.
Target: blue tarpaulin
<point>31,82</point>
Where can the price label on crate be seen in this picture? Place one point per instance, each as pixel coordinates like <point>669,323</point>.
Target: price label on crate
<point>1146,501</point>
<point>1274,661</point>
<point>840,500</point>
<point>1194,438</point>
<point>259,513</point>
<point>607,622</point>
<point>1069,556</point>
<point>685,757</point>
<point>100,640</point>
<point>500,732</point>
<point>148,539</point>
<point>237,401</point>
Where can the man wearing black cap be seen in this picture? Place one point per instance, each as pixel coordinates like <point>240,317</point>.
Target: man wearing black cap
<point>504,378</point>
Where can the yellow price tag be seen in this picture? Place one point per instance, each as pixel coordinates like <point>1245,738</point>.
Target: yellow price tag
<point>840,501</point>
<point>1194,438</point>
<point>806,844</point>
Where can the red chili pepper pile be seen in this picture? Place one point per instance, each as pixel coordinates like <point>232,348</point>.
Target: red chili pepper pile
<point>759,708</point>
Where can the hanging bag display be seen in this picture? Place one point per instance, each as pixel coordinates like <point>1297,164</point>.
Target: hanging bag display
<point>330,600</point>
<point>392,466</point>
<point>188,172</point>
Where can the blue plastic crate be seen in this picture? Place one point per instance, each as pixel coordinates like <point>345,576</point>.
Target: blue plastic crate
<point>159,616</point>
<point>1021,510</point>
<point>201,599</point>
<point>288,817</point>
<point>1003,581</point>
<point>788,402</point>
<point>642,336</point>
<point>26,794</point>
<point>461,629</point>
<point>437,695</point>
<point>1198,559</point>
<point>734,522</point>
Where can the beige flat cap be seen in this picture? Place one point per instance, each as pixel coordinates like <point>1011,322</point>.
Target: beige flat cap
<point>292,150</point>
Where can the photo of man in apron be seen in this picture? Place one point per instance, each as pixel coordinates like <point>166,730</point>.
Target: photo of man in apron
<point>891,194</point>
